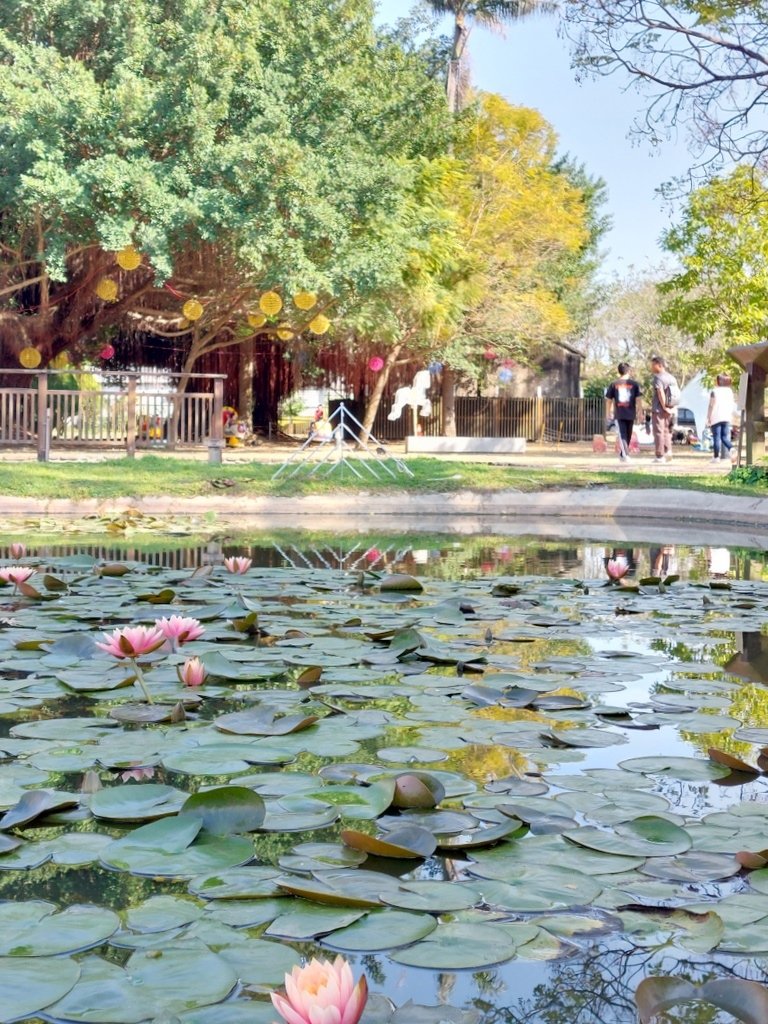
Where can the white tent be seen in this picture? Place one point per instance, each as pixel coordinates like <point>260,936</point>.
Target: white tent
<point>695,396</point>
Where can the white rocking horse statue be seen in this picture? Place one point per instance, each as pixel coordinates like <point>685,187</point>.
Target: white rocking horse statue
<point>415,396</point>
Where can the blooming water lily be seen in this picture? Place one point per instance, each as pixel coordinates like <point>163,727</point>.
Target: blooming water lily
<point>237,565</point>
<point>322,993</point>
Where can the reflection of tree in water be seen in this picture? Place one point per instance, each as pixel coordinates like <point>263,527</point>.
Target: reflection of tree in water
<point>599,988</point>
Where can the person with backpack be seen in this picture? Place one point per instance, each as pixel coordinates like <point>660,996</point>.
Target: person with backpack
<point>722,405</point>
<point>624,395</point>
<point>666,398</point>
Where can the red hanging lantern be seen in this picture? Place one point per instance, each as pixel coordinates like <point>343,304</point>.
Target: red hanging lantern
<point>375,363</point>
<point>107,352</point>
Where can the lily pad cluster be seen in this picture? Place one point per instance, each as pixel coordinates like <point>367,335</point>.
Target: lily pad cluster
<point>448,776</point>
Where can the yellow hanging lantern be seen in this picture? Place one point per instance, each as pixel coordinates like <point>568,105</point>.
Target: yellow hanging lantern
<point>256,319</point>
<point>320,324</point>
<point>128,258</point>
<point>270,303</point>
<point>192,309</point>
<point>304,300</point>
<point>30,358</point>
<point>106,289</point>
<point>284,332</point>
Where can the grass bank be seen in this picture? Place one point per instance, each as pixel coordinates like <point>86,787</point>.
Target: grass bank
<point>159,475</point>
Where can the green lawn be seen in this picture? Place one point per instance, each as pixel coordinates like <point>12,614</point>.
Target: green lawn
<point>158,475</point>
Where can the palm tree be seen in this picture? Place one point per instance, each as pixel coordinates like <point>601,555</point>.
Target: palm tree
<point>491,14</point>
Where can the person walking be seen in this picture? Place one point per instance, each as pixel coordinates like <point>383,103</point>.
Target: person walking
<point>666,395</point>
<point>625,397</point>
<point>720,418</point>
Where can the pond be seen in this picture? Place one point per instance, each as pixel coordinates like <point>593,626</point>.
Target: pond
<point>500,781</point>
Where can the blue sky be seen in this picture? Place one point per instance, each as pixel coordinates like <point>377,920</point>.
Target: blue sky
<point>531,66</point>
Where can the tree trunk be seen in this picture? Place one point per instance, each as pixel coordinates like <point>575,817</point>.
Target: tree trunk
<point>245,381</point>
<point>449,402</point>
<point>455,70</point>
<point>381,383</point>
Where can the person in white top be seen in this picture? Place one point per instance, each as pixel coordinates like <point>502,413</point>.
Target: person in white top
<point>720,416</point>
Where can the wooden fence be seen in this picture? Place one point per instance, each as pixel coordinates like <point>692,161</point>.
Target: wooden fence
<point>136,414</point>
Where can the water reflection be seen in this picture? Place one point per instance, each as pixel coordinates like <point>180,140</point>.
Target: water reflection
<point>442,557</point>
<point>751,660</point>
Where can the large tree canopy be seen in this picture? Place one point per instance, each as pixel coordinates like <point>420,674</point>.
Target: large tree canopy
<point>705,64</point>
<point>237,146</point>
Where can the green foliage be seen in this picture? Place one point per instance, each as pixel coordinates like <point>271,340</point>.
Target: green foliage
<point>751,476</point>
<point>241,145</point>
<point>722,244</point>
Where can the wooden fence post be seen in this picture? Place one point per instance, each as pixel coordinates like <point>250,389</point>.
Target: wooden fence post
<point>216,439</point>
<point>130,413</point>
<point>43,418</point>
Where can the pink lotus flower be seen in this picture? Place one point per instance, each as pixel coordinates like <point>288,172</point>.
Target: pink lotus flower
<point>16,573</point>
<point>132,641</point>
<point>137,773</point>
<point>239,566</point>
<point>322,993</point>
<point>616,568</point>
<point>18,549</point>
<point>178,630</point>
<point>192,673</point>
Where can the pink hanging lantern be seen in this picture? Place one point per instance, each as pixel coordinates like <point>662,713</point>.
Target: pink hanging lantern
<point>375,363</point>
<point>107,352</point>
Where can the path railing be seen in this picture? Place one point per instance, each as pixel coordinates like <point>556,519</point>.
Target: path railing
<point>136,414</point>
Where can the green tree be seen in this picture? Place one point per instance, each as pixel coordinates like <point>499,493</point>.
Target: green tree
<point>720,295</point>
<point>237,147</point>
<point>493,15</point>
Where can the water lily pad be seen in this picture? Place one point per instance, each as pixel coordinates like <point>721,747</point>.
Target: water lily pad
<point>226,810</point>
<point>646,836</point>
<point>161,913</point>
<point>380,930</point>
<point>407,842</point>
<point>456,947</point>
<point>306,921</point>
<point>687,769</point>
<point>27,990</point>
<point>260,963</point>
<point>172,848</point>
<point>431,897</point>
<point>35,803</point>
<point>153,982</point>
<point>255,882</point>
<point>36,930</point>
<point>142,802</point>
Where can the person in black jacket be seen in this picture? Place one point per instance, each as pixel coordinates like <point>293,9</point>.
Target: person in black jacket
<point>626,402</point>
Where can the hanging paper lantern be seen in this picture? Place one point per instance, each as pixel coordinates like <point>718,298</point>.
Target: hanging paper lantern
<point>128,258</point>
<point>284,332</point>
<point>505,375</point>
<point>435,367</point>
<point>107,352</point>
<point>256,319</point>
<point>304,300</point>
<point>192,309</point>
<point>30,358</point>
<point>375,363</point>
<point>106,289</point>
<point>489,354</point>
<point>320,324</point>
<point>270,303</point>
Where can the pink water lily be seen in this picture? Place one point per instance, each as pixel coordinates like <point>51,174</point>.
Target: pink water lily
<point>322,993</point>
<point>238,565</point>
<point>617,568</point>
<point>192,673</point>
<point>16,574</point>
<point>139,774</point>
<point>132,641</point>
<point>18,549</point>
<point>177,630</point>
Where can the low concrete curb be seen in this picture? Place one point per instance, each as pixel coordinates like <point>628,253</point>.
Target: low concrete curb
<point>590,504</point>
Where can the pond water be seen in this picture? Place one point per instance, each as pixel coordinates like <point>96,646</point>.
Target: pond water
<point>588,759</point>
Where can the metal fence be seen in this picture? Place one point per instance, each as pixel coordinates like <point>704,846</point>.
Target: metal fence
<point>536,419</point>
<point>133,414</point>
